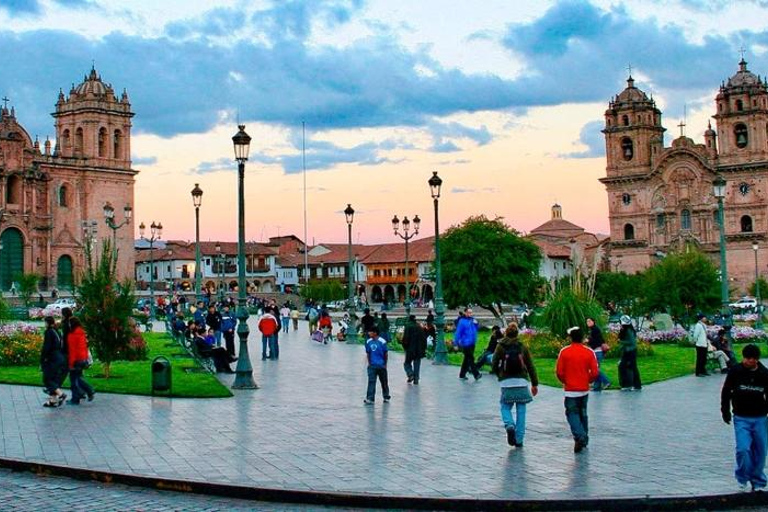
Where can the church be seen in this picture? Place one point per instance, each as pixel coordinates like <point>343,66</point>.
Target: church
<point>662,198</point>
<point>54,201</point>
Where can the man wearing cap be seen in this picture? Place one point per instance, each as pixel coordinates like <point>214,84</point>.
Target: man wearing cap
<point>576,369</point>
<point>702,345</point>
<point>376,351</point>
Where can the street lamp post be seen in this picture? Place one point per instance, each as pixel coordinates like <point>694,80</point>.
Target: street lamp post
<point>759,322</point>
<point>156,232</point>
<point>405,235</point>
<point>441,354</point>
<point>2,216</point>
<point>109,218</point>
<point>351,334</point>
<point>244,371</point>
<point>718,186</point>
<point>197,200</point>
<point>221,260</point>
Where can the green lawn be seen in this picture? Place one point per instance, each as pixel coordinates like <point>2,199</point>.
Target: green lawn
<point>133,377</point>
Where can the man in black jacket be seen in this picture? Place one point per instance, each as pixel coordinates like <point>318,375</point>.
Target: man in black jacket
<point>746,389</point>
<point>415,346</point>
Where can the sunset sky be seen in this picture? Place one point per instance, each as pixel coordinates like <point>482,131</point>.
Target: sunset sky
<point>505,99</point>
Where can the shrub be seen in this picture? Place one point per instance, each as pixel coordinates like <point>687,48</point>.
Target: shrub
<point>568,308</point>
<point>20,344</point>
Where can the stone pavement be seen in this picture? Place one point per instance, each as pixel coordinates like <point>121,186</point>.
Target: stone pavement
<point>307,429</point>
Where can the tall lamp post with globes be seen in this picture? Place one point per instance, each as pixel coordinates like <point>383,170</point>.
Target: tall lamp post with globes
<point>718,186</point>
<point>351,334</point>
<point>759,322</point>
<point>197,200</point>
<point>109,218</point>
<point>244,371</point>
<point>156,232</point>
<point>441,354</point>
<point>405,235</point>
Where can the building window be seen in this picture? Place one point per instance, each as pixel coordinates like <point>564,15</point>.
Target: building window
<point>660,221</point>
<point>746,224</point>
<point>742,135</point>
<point>627,148</point>
<point>685,219</point>
<point>63,196</point>
<point>65,143</point>
<point>626,199</point>
<point>117,144</point>
<point>78,141</point>
<point>629,232</point>
<point>13,190</point>
<point>102,142</point>
<point>739,105</point>
<point>625,120</point>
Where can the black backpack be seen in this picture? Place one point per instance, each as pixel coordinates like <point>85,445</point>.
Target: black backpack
<point>512,360</point>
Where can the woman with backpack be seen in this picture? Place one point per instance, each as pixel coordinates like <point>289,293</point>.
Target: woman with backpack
<point>513,365</point>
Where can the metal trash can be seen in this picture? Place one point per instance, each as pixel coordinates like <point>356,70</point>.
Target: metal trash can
<point>161,374</point>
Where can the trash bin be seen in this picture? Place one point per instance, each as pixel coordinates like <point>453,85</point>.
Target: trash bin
<point>161,374</point>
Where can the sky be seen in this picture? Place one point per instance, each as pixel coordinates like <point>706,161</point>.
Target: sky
<point>504,99</point>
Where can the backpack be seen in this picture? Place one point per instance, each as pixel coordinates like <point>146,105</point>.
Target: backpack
<point>512,361</point>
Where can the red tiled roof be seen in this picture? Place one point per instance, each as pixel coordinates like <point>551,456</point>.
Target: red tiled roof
<point>552,250</point>
<point>558,228</point>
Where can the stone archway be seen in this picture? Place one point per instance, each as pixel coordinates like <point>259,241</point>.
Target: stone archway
<point>389,293</point>
<point>376,294</point>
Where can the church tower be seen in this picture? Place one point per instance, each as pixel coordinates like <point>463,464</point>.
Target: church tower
<point>93,124</point>
<point>742,118</point>
<point>634,136</point>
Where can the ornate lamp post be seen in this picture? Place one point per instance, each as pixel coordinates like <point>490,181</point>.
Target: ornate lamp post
<point>718,186</point>
<point>221,261</point>
<point>109,218</point>
<point>351,333</point>
<point>244,376</point>
<point>441,354</point>
<point>197,199</point>
<point>156,232</point>
<point>759,323</point>
<point>406,236</point>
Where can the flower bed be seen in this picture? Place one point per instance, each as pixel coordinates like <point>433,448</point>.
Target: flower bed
<point>20,344</point>
<point>543,344</point>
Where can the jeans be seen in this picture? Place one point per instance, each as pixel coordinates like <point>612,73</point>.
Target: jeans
<point>751,447</point>
<point>412,367</point>
<point>217,336</point>
<point>271,343</point>
<point>285,320</point>
<point>468,364</point>
<point>381,373</point>
<point>601,380</point>
<point>80,387</point>
<point>509,422</point>
<point>576,414</point>
<point>629,375</point>
<point>485,357</point>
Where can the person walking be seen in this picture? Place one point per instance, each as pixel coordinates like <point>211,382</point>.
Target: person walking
<point>78,361</point>
<point>513,365</point>
<point>415,346</point>
<point>312,316</point>
<point>465,338</point>
<point>53,363</point>
<point>746,391</point>
<point>487,355</point>
<point>576,368</point>
<point>268,327</point>
<point>285,317</point>
<point>629,375</point>
<point>295,318</point>
<point>384,327</point>
<point>376,352</point>
<point>702,344</point>
<point>598,345</point>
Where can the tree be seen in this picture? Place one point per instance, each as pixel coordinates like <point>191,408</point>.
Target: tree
<point>487,263</point>
<point>763,287</point>
<point>324,291</point>
<point>106,307</point>
<point>619,288</point>
<point>683,283</point>
<point>27,286</point>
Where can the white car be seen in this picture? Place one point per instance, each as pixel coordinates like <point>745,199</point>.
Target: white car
<point>59,304</point>
<point>744,303</point>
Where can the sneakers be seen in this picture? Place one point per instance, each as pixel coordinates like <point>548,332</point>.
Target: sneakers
<point>511,437</point>
<point>607,385</point>
<point>463,378</point>
<point>62,399</point>
<point>478,376</point>
<point>386,400</point>
<point>367,402</point>
<point>90,397</point>
<point>626,389</point>
<point>745,487</point>
<point>410,379</point>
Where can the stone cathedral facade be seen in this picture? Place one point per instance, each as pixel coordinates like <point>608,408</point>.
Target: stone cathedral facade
<point>661,198</point>
<point>52,199</point>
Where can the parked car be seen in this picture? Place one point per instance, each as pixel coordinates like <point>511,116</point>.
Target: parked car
<point>744,304</point>
<point>59,304</point>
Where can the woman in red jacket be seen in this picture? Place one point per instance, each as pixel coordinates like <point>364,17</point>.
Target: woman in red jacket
<point>78,361</point>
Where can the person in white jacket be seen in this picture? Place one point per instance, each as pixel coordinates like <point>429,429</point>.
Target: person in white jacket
<point>702,345</point>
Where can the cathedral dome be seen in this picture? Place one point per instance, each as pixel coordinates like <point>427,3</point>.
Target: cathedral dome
<point>631,93</point>
<point>93,86</point>
<point>743,79</point>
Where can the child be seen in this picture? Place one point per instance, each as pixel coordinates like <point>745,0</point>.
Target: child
<point>376,352</point>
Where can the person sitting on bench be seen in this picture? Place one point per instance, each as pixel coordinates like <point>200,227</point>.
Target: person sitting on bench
<point>206,347</point>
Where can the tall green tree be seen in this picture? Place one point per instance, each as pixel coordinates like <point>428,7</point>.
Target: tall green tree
<point>487,263</point>
<point>620,288</point>
<point>106,306</point>
<point>682,283</point>
<point>27,286</point>
<point>324,290</point>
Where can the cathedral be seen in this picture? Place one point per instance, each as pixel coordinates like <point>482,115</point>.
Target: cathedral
<point>662,198</point>
<point>53,202</point>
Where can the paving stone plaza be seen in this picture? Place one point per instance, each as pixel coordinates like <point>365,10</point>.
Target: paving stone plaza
<point>307,428</point>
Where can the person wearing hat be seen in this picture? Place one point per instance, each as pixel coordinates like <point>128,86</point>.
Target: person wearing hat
<point>629,375</point>
<point>577,369</point>
<point>376,352</point>
<point>702,345</point>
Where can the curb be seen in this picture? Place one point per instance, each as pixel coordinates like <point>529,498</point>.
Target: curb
<point>380,501</point>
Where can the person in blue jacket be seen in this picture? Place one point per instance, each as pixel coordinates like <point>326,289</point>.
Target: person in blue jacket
<point>465,338</point>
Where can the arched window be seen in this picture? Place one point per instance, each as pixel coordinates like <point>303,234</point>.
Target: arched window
<point>625,120</point>
<point>685,219</point>
<point>63,196</point>
<point>117,144</point>
<point>741,134</point>
<point>746,224</point>
<point>66,142</point>
<point>102,142</point>
<point>13,190</point>
<point>739,105</point>
<point>629,232</point>
<point>661,221</point>
<point>79,141</point>
<point>627,148</point>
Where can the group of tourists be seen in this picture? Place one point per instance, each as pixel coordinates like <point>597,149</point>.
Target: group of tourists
<point>65,352</point>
